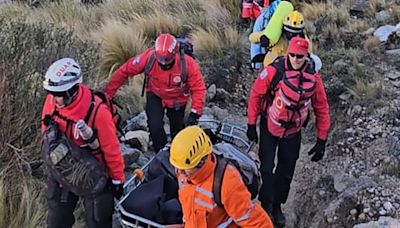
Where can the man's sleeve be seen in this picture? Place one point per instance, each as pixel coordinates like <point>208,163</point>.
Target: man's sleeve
<point>238,204</point>
<point>130,68</point>
<point>258,92</point>
<point>321,109</point>
<point>109,143</point>
<point>196,85</point>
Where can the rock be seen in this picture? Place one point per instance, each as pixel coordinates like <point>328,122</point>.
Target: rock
<point>393,75</point>
<point>382,16</point>
<point>394,148</point>
<point>383,222</point>
<point>361,216</point>
<point>340,63</point>
<point>138,139</point>
<point>353,212</point>
<point>350,131</point>
<point>130,155</point>
<point>221,95</point>
<point>382,211</point>
<point>393,52</point>
<point>366,210</point>
<point>211,92</point>
<point>385,31</point>
<point>371,190</point>
<point>345,96</point>
<point>138,122</point>
<point>395,83</point>
<point>356,110</point>
<point>342,181</point>
<point>388,206</point>
<point>220,113</point>
<point>359,8</point>
<point>358,121</point>
<point>375,130</point>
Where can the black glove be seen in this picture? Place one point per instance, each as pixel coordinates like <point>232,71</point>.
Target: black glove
<point>318,150</point>
<point>252,132</point>
<point>264,41</point>
<point>193,119</point>
<point>118,190</point>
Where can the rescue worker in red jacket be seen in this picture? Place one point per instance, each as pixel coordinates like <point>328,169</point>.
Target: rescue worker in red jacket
<point>284,113</point>
<point>68,101</point>
<point>191,155</point>
<point>166,88</point>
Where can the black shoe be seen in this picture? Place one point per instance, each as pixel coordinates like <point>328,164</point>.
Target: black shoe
<point>278,217</point>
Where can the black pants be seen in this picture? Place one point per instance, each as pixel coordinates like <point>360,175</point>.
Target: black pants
<point>155,115</point>
<point>98,209</point>
<point>276,186</point>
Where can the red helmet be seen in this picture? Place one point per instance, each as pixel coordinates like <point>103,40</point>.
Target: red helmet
<point>166,47</point>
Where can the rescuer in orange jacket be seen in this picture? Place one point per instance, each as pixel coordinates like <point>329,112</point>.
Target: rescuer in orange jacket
<point>166,87</point>
<point>191,154</point>
<point>71,101</point>
<point>283,94</point>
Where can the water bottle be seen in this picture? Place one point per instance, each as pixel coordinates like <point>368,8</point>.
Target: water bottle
<point>86,133</point>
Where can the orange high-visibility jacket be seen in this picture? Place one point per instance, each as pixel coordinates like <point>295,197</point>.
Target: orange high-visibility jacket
<point>201,211</point>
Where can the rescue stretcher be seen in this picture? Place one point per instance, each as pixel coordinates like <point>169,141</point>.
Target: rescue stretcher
<point>225,132</point>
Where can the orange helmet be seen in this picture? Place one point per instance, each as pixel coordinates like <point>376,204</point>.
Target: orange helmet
<point>165,48</point>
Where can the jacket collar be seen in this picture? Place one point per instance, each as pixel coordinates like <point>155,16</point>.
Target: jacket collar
<point>205,171</point>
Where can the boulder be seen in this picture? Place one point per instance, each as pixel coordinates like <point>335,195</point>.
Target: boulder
<point>138,139</point>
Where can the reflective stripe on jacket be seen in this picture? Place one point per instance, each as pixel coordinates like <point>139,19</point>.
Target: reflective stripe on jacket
<point>201,211</point>
<point>166,84</point>
<point>103,123</point>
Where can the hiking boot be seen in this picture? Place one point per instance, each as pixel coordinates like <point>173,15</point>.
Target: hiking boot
<point>278,217</point>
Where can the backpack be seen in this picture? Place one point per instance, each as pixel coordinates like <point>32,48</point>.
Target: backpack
<point>74,167</point>
<point>279,65</point>
<point>185,47</point>
<point>226,154</point>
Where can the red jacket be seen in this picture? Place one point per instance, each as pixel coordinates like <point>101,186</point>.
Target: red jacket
<point>200,210</point>
<point>106,131</point>
<point>164,83</point>
<point>318,101</point>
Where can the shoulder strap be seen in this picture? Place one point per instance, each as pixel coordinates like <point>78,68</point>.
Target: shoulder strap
<point>89,113</point>
<point>279,65</point>
<point>219,172</point>
<point>183,66</point>
<point>147,69</point>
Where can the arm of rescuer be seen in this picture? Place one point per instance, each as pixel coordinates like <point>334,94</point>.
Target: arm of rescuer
<point>130,68</point>
<point>109,144</point>
<point>238,204</point>
<point>258,92</point>
<point>196,85</point>
<point>321,109</point>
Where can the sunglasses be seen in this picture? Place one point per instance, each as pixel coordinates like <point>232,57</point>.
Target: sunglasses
<point>296,55</point>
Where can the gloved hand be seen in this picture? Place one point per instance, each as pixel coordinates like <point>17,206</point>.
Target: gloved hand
<point>193,119</point>
<point>264,41</point>
<point>318,150</point>
<point>252,133</point>
<point>117,190</point>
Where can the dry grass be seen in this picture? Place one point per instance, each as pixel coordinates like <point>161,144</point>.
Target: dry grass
<point>207,43</point>
<point>119,42</point>
<point>368,90</point>
<point>22,204</point>
<point>372,43</point>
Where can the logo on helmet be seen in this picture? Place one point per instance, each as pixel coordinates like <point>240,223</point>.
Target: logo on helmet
<point>63,68</point>
<point>171,47</point>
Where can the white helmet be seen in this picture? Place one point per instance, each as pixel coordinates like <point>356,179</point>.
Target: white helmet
<point>62,75</point>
